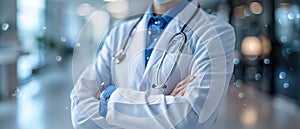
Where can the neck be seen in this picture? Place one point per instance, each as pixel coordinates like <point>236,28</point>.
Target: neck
<point>160,9</point>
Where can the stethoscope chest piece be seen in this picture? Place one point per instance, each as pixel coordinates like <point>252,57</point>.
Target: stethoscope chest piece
<point>119,56</point>
<point>155,86</point>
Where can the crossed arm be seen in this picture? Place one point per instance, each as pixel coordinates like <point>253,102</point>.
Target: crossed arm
<point>179,89</point>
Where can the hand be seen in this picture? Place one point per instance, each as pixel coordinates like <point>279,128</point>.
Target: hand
<point>99,95</point>
<point>180,87</point>
<point>105,98</point>
<point>107,92</point>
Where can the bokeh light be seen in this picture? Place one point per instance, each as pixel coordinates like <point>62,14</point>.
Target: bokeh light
<point>266,46</point>
<point>236,61</point>
<point>84,9</point>
<point>5,26</point>
<point>286,85</point>
<point>282,75</point>
<point>251,46</point>
<point>58,58</point>
<point>249,116</point>
<point>238,83</point>
<point>238,12</point>
<point>63,39</point>
<point>267,61</point>
<point>256,8</point>
<point>241,95</point>
<point>258,76</point>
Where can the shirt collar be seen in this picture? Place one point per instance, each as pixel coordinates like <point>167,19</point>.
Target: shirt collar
<point>169,15</point>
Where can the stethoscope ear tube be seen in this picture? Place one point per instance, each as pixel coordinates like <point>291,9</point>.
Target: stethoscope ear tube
<point>179,50</point>
<point>120,55</point>
<point>183,43</point>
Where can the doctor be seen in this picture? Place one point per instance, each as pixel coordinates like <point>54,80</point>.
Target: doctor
<point>168,69</point>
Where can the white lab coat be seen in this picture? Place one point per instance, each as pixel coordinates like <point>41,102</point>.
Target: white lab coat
<point>135,104</point>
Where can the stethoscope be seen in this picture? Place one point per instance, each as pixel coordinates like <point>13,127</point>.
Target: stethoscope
<point>120,55</point>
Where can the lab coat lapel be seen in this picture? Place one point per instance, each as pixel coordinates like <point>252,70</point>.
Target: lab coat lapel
<point>173,27</point>
<point>130,71</point>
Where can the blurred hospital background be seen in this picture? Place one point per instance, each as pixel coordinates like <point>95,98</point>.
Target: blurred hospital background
<point>37,64</point>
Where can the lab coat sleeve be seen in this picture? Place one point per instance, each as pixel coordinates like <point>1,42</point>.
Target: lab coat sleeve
<point>84,104</point>
<point>212,66</point>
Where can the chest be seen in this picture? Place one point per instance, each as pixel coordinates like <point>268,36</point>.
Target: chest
<point>169,63</point>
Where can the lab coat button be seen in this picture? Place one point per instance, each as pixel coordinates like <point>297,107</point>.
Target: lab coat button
<point>157,22</point>
<point>149,32</point>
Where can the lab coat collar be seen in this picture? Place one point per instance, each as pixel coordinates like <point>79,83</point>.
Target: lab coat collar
<point>169,15</point>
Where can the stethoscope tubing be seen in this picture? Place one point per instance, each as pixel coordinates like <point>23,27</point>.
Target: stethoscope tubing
<point>179,50</point>
<point>119,56</point>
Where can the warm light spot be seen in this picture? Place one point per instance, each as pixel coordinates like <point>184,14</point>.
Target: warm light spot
<point>249,117</point>
<point>256,8</point>
<point>251,46</point>
<point>266,46</point>
<point>284,5</point>
<point>238,12</point>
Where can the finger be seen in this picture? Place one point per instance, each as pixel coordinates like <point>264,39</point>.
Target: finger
<point>181,84</point>
<point>190,78</point>
<point>173,92</point>
<point>178,89</point>
<point>98,95</point>
<point>181,93</point>
<point>187,80</point>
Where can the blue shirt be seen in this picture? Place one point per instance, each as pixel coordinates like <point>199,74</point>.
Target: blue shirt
<point>157,24</point>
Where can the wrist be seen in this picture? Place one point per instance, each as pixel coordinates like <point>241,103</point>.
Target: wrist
<point>107,92</point>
